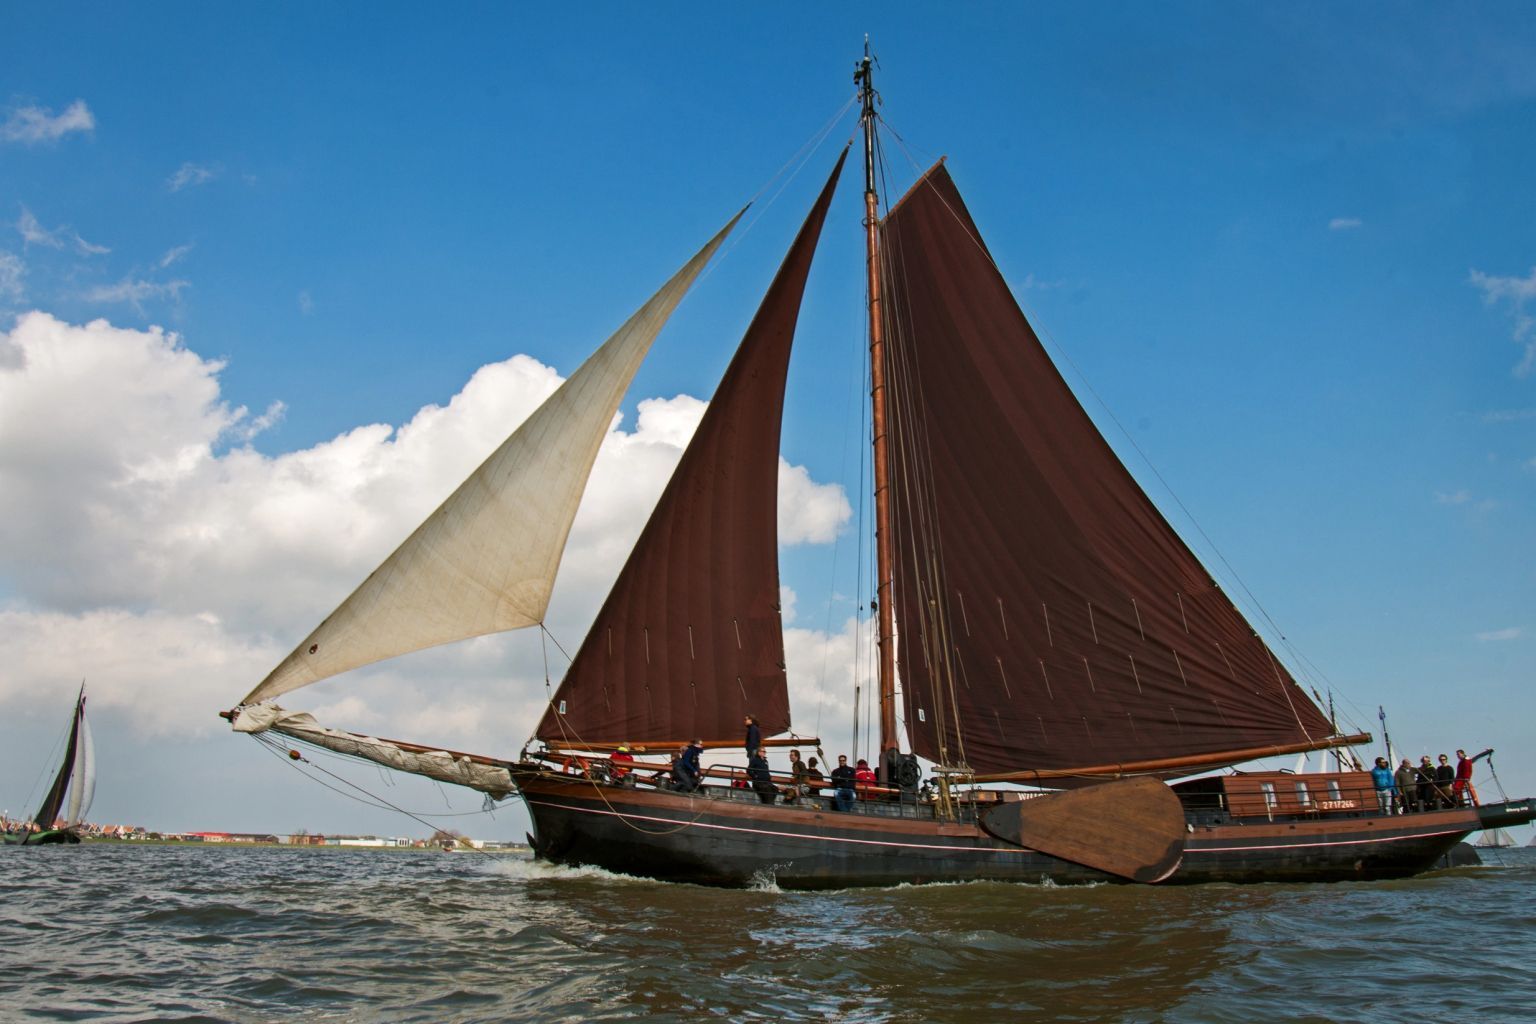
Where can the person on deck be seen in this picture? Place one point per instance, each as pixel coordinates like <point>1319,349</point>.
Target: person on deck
<point>842,782</point>
<point>754,735</point>
<point>761,776</point>
<point>1445,782</point>
<point>797,778</point>
<point>1381,778</point>
<point>812,777</point>
<point>619,766</point>
<point>1425,773</point>
<point>687,771</point>
<point>1406,781</point>
<point>1462,788</point>
<point>864,776</point>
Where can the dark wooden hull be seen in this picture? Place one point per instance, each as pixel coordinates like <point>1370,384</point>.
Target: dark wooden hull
<point>52,837</point>
<point>723,839</point>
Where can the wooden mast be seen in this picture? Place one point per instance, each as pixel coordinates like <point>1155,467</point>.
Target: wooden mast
<point>884,567</point>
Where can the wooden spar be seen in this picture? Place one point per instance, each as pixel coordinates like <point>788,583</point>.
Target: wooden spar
<point>648,745</point>
<point>1167,764</point>
<point>884,536</point>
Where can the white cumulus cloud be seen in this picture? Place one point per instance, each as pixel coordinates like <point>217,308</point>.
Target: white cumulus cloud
<point>190,174</point>
<point>33,233</point>
<point>12,270</point>
<point>141,550</point>
<point>1516,294</point>
<point>136,291</point>
<point>31,124</point>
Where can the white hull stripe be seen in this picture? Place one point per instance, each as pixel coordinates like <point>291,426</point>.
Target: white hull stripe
<point>787,835</point>
<point>1337,842</point>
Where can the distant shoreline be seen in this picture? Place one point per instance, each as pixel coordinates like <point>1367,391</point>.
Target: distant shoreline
<point>320,847</point>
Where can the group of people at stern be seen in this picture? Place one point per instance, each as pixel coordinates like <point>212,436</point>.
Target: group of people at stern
<point>1425,786</point>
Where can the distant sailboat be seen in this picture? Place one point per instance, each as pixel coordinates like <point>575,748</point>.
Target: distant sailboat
<point>69,798</point>
<point>1495,839</point>
<point>1053,629</point>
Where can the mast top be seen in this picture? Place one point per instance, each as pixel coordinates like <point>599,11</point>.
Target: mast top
<point>863,75</point>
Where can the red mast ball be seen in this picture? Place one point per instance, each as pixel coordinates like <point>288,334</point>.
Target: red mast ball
<point>295,755</point>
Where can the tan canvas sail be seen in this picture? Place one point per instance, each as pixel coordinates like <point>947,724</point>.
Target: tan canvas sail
<point>690,637</point>
<point>485,561</point>
<point>1050,618</point>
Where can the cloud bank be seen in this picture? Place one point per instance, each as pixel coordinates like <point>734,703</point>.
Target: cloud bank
<point>146,546</point>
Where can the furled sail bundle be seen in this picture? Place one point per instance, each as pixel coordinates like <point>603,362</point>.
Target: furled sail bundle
<point>690,637</point>
<point>485,560</point>
<point>1049,617</point>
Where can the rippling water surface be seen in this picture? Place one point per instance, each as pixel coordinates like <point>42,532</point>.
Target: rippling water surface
<point>164,933</point>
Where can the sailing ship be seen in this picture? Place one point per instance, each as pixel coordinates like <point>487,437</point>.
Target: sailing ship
<point>1058,655</point>
<point>69,797</point>
<point>1495,839</point>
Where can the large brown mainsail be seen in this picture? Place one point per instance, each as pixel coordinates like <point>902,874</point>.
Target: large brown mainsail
<point>1033,572</point>
<point>690,637</point>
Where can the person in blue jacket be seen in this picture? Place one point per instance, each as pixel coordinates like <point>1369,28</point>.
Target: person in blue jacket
<point>687,768</point>
<point>1381,778</point>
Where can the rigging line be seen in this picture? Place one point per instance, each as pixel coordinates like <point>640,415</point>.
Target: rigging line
<point>285,753</point>
<point>48,766</point>
<point>598,789</point>
<point>854,407</point>
<point>799,160</point>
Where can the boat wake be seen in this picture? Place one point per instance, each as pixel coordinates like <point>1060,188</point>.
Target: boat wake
<point>529,870</point>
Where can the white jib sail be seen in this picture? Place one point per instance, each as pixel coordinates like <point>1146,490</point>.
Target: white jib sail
<point>82,782</point>
<point>485,561</point>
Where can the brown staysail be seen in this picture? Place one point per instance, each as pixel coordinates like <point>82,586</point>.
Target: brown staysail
<point>689,639</point>
<point>1049,617</point>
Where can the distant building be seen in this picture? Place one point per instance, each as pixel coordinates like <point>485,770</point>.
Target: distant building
<point>230,837</point>
<point>368,841</point>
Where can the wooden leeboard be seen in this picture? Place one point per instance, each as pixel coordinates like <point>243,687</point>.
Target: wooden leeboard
<point>1133,828</point>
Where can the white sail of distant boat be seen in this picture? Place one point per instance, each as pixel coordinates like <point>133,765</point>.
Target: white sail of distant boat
<point>82,789</point>
<point>1494,839</point>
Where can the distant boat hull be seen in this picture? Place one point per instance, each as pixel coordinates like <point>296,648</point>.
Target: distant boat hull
<point>724,840</point>
<point>51,837</point>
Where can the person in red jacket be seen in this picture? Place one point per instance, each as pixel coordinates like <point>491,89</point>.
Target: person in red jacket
<point>1462,787</point>
<point>864,776</point>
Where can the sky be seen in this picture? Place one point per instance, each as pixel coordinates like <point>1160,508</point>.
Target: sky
<point>274,279</point>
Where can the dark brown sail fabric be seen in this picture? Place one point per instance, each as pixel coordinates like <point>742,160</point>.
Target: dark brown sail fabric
<point>689,640</point>
<point>49,811</point>
<point>1077,627</point>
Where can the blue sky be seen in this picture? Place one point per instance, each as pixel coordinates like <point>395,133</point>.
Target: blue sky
<point>1290,249</point>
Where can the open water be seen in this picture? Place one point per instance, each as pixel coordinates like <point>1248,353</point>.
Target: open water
<point>161,933</point>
